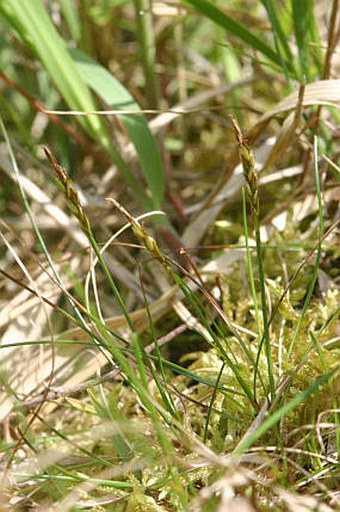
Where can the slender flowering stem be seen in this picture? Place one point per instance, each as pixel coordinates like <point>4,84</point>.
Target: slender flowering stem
<point>73,201</point>
<point>252,193</point>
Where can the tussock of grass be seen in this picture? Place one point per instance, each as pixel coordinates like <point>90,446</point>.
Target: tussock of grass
<point>176,346</point>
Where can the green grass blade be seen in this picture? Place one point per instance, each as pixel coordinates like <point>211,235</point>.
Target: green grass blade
<point>221,346</point>
<point>230,25</point>
<point>69,11</point>
<point>118,98</point>
<point>158,371</point>
<point>31,20</point>
<point>211,404</point>
<point>302,11</point>
<point>280,37</point>
<point>283,411</point>
<point>144,18</point>
<point>34,26</point>
<point>74,478</point>
<point>318,252</point>
<point>250,265</point>
<point>250,271</point>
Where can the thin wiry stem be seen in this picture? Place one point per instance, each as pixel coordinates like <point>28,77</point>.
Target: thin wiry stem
<point>252,193</point>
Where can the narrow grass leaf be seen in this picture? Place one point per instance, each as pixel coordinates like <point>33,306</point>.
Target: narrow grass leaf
<point>238,29</point>
<point>302,13</point>
<point>70,11</point>
<point>147,47</point>
<point>31,20</point>
<point>280,37</point>
<point>272,420</point>
<point>216,342</point>
<point>211,404</point>
<point>74,478</point>
<point>318,251</point>
<point>34,27</point>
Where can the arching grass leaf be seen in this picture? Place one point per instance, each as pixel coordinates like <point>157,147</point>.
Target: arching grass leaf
<point>114,94</point>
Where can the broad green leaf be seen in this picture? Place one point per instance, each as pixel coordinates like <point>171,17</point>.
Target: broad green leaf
<point>118,98</point>
<point>31,21</point>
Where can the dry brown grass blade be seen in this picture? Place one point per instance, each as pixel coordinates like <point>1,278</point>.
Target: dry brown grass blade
<point>305,503</point>
<point>30,378</point>
<point>23,368</point>
<point>321,92</point>
<point>66,222</point>
<point>23,304</point>
<point>89,360</point>
<point>287,132</point>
